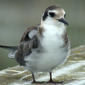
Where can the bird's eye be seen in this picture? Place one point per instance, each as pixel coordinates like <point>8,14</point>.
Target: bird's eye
<point>51,14</point>
<point>64,15</point>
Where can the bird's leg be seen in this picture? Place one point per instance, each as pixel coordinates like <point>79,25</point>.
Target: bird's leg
<point>50,77</point>
<point>51,80</point>
<point>34,81</point>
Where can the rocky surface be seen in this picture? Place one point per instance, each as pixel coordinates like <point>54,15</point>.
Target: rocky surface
<point>72,72</point>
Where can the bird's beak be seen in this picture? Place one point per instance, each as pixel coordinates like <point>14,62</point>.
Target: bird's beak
<point>63,21</point>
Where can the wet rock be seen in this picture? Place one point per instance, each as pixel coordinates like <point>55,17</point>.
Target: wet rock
<point>72,72</point>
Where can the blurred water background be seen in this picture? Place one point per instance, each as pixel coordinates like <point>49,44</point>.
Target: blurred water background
<point>17,15</point>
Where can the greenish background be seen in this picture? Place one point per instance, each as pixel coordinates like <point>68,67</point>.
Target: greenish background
<point>17,15</point>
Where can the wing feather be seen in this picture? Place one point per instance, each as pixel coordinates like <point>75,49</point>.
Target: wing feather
<point>28,42</point>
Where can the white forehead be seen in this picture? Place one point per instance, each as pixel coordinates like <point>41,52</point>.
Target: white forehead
<point>57,11</point>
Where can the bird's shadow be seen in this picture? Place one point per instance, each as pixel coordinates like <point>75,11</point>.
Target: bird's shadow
<point>53,82</point>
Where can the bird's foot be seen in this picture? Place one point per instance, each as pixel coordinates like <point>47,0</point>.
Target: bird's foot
<point>50,81</point>
<point>38,82</point>
<point>59,82</point>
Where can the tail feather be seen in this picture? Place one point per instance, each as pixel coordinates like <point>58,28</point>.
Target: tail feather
<point>8,47</point>
<point>11,48</point>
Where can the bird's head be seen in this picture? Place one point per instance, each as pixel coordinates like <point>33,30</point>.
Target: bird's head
<point>54,15</point>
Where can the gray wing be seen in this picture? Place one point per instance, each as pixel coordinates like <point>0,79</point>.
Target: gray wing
<point>28,42</point>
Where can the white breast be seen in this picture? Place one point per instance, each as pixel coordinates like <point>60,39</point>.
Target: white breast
<point>52,37</point>
<point>53,55</point>
<point>52,43</point>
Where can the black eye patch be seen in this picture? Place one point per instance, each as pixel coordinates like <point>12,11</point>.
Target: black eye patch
<point>51,14</point>
<point>45,15</point>
<point>64,15</point>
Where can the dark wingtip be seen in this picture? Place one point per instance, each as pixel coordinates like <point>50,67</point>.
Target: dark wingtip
<point>8,47</point>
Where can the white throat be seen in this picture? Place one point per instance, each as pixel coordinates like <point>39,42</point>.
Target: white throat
<point>52,25</point>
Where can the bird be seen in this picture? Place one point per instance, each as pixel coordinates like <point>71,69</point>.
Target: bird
<point>44,46</point>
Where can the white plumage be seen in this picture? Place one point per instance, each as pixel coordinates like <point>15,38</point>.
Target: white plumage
<point>52,43</point>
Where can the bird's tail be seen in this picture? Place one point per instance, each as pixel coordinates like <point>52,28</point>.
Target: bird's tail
<point>11,48</point>
<point>8,47</point>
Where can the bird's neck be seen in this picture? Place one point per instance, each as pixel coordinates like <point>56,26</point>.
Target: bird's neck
<point>48,21</point>
<point>53,26</point>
